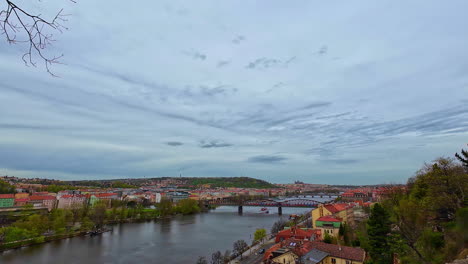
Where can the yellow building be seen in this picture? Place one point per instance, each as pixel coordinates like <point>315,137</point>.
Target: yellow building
<point>21,195</point>
<point>341,210</point>
<point>285,258</point>
<point>319,212</point>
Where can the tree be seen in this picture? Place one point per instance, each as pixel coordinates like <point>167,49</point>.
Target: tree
<point>260,234</point>
<point>188,206</point>
<point>217,258</point>
<point>86,224</point>
<point>227,256</point>
<point>201,260</point>
<point>463,158</point>
<point>278,226</point>
<point>378,229</point>
<point>6,188</point>
<point>239,247</point>
<point>165,207</point>
<point>98,213</point>
<point>33,30</point>
<point>328,239</point>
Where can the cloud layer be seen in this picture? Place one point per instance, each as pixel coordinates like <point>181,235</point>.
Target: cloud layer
<point>313,91</point>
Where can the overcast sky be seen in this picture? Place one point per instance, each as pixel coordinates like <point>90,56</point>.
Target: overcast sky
<point>339,92</point>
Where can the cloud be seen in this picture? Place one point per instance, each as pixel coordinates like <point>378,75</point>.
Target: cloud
<point>274,159</point>
<point>238,39</point>
<point>223,63</point>
<point>340,161</point>
<point>196,55</point>
<point>214,144</point>
<point>266,63</point>
<point>255,90</point>
<point>323,50</point>
<point>174,143</point>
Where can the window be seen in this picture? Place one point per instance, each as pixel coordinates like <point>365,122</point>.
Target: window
<point>333,261</point>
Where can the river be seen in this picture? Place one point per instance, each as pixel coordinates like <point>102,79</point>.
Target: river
<point>178,240</point>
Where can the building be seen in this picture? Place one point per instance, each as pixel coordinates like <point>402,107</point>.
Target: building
<point>343,211</point>
<point>68,201</point>
<point>284,256</point>
<point>21,195</point>
<point>337,254</point>
<point>7,200</point>
<point>48,201</point>
<point>298,233</point>
<point>21,201</point>
<point>177,196</point>
<point>294,251</point>
<point>105,197</point>
<point>329,225</point>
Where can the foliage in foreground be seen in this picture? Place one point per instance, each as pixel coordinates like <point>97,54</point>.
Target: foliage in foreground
<point>426,223</point>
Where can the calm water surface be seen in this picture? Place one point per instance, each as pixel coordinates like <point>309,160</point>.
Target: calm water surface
<point>178,240</point>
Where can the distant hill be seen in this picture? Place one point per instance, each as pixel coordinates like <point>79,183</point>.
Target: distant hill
<point>181,182</point>
<point>240,182</point>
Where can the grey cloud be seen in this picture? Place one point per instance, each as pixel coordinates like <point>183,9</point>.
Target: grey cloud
<point>315,105</point>
<point>214,144</point>
<point>323,50</point>
<point>266,63</point>
<point>274,159</point>
<point>33,127</point>
<point>174,143</point>
<point>275,87</point>
<point>238,39</point>
<point>208,91</point>
<point>339,161</point>
<point>223,63</point>
<point>196,55</point>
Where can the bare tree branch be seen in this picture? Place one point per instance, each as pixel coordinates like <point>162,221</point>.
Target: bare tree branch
<point>20,26</point>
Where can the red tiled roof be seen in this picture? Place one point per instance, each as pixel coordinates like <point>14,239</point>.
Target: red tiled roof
<point>73,195</point>
<point>303,247</point>
<point>105,194</point>
<point>328,218</point>
<point>341,206</point>
<point>269,252</point>
<point>41,197</point>
<point>7,196</point>
<point>331,208</point>
<point>357,254</point>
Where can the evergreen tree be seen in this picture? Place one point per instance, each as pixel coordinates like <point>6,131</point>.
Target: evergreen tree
<point>463,158</point>
<point>378,228</point>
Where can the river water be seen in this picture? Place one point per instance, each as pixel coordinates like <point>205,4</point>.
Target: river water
<point>178,240</point>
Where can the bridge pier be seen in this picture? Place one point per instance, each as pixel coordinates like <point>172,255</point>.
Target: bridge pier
<point>239,210</point>
<point>280,210</point>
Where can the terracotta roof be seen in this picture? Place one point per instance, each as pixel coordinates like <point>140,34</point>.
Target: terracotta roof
<point>329,218</point>
<point>105,194</point>
<point>22,200</point>
<point>357,254</point>
<point>341,206</point>
<point>294,231</point>
<point>269,252</point>
<point>73,195</point>
<point>7,196</point>
<point>41,197</point>
<point>331,208</point>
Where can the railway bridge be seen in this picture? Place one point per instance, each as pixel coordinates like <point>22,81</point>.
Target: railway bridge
<point>299,202</point>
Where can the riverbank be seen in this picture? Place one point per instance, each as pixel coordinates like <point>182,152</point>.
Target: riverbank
<point>48,238</point>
